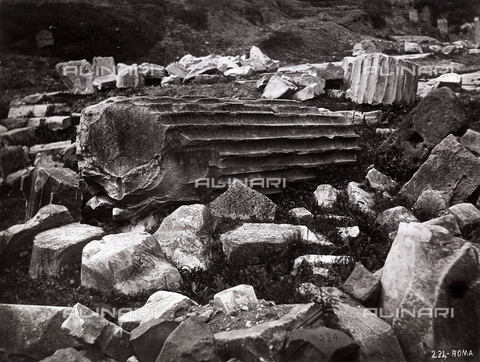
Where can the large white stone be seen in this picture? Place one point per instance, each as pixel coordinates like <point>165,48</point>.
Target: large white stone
<point>127,263</point>
<point>326,195</point>
<point>232,298</point>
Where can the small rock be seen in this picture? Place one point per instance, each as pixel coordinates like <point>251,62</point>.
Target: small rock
<point>186,235</point>
<point>471,141</point>
<point>350,232</point>
<point>309,92</point>
<point>450,80</point>
<point>93,330</point>
<point>301,215</point>
<point>232,298</point>
<point>240,202</point>
<point>148,338</point>
<point>161,304</point>
<point>363,286</point>
<point>365,47</point>
<point>430,204</point>
<point>77,75</point>
<point>201,346</point>
<point>278,88</point>
<point>360,198</point>
<point>389,220</point>
<point>468,218</point>
<point>326,195</point>
<point>412,48</point>
<point>103,66</point>
<point>379,181</point>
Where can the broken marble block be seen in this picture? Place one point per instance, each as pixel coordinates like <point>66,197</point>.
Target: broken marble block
<point>127,263</point>
<point>77,75</point>
<point>57,252</point>
<point>326,195</point>
<point>278,87</point>
<point>363,285</point>
<point>61,186</point>
<point>232,298</point>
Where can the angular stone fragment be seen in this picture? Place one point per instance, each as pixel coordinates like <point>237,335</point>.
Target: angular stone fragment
<point>240,202</point>
<point>33,330</point>
<point>301,215</point>
<point>363,286</point>
<point>381,79</point>
<point>19,136</point>
<point>412,48</point>
<point>93,330</point>
<point>309,92</point>
<point>249,243</point>
<point>58,251</point>
<point>471,141</point>
<point>450,80</point>
<point>161,304</point>
<point>468,218</point>
<point>148,338</point>
<point>35,110</point>
<point>262,341</point>
<point>201,346</point>
<point>20,237</point>
<point>278,88</point>
<point>428,290</point>
<point>430,204</point>
<point>450,168</point>
<point>389,219</point>
<point>185,236</point>
<point>77,75</point>
<point>232,298</point>
<point>11,159</point>
<point>360,198</point>
<point>434,118</point>
<point>320,344</point>
<point>127,263</point>
<point>379,181</point>
<point>326,195</point>
<point>43,186</point>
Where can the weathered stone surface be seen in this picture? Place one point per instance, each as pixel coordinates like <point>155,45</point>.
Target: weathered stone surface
<point>320,344</point>
<point>412,48</point>
<point>379,181</point>
<point>67,355</point>
<point>35,110</point>
<point>389,219</point>
<point>12,123</point>
<point>249,243</point>
<point>278,87</point>
<point>77,75</point>
<point>240,202</point>
<point>103,66</point>
<point>363,286</point>
<point>450,168</point>
<point>376,337</point>
<point>164,149</point>
<point>129,76</point>
<point>43,186</point>
<point>11,159</point>
<point>161,304</point>
<point>434,118</point>
<point>450,80</point>
<point>263,340</point>
<point>468,218</point>
<point>431,204</point>
<point>127,263</point>
<point>201,346</point>
<point>309,92</point>
<point>54,123</point>
<point>186,235</point>
<point>301,215</point>
<point>33,330</point>
<point>360,198</point>
<point>259,61</point>
<point>449,222</point>
<point>326,195</point>
<point>232,298</point>
<point>50,148</point>
<point>91,329</point>
<point>243,71</point>
<point>105,82</point>
<point>471,141</point>
<point>148,338</point>
<point>427,274</point>
<point>20,237</point>
<point>58,251</point>
<point>381,79</point>
<point>19,136</point>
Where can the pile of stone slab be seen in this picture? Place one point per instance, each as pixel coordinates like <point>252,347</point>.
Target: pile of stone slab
<point>82,77</point>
